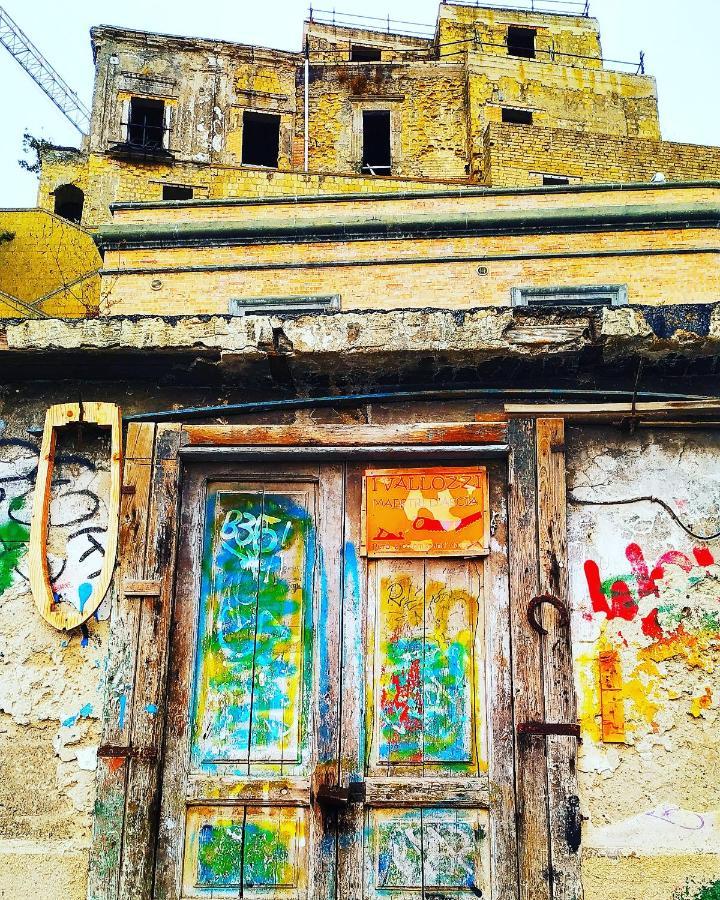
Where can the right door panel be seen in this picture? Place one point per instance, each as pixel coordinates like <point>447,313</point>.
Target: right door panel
<point>438,816</point>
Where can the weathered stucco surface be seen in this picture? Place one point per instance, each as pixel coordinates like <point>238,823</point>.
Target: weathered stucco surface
<point>51,683</point>
<point>648,593</point>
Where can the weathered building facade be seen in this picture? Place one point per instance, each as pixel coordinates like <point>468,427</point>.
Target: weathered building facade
<point>389,418</point>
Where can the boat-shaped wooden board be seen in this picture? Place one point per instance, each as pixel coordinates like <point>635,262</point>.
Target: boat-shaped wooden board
<point>63,615</point>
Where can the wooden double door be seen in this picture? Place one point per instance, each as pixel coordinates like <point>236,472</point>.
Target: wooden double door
<point>337,726</point>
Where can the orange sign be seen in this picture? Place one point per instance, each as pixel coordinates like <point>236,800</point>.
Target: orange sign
<point>426,512</point>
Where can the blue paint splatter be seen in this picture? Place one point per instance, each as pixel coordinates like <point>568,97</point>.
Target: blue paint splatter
<point>84,593</point>
<point>85,635</point>
<point>151,708</point>
<point>122,702</point>
<point>83,713</point>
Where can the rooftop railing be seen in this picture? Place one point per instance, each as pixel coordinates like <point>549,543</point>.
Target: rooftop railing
<point>476,44</point>
<point>371,23</point>
<point>551,7</point>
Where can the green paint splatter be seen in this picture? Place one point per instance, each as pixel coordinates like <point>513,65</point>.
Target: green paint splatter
<point>709,892</point>
<point>221,855</point>
<point>14,537</point>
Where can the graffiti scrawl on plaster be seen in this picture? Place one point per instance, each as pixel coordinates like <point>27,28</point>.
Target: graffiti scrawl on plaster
<point>666,829</point>
<point>78,520</point>
<point>653,613</point>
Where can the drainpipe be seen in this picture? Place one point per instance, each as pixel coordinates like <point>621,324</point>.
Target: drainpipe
<point>307,100</point>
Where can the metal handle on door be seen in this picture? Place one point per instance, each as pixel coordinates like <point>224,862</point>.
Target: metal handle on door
<point>334,796</point>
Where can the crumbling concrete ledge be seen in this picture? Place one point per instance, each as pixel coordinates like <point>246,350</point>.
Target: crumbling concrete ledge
<point>652,331</point>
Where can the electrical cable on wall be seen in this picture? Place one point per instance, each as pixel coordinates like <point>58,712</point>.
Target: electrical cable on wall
<point>647,499</point>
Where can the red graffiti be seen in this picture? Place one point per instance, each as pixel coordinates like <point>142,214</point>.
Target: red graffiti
<point>619,601</point>
<point>423,523</point>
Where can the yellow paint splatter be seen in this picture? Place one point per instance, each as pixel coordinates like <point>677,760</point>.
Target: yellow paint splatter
<point>698,705</point>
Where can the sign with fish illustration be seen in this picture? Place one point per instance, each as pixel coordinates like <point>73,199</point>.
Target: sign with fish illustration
<point>426,512</point>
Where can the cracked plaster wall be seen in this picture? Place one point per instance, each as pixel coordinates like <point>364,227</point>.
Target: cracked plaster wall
<point>648,592</point>
<point>51,682</point>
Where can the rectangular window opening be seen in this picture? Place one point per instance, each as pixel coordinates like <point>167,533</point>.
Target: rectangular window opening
<point>517,116</point>
<point>177,192</point>
<point>359,53</point>
<point>261,139</point>
<point>555,179</point>
<point>521,41</point>
<point>146,123</point>
<point>376,157</point>
<point>580,295</point>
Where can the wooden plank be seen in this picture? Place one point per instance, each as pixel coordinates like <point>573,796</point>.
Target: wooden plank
<point>143,588</point>
<point>424,452</point>
<point>559,686</point>
<point>64,616</point>
<point>498,698</point>
<point>125,617</point>
<point>354,661</point>
<point>432,434</point>
<point>330,514</point>
<point>148,704</point>
<point>413,792</point>
<point>588,412</point>
<point>275,792</point>
<point>171,836</point>
<point>529,705</point>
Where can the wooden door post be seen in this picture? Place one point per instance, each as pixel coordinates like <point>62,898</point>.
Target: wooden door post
<point>545,765</point>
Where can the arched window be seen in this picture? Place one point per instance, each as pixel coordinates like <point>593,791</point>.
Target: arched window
<point>69,202</point>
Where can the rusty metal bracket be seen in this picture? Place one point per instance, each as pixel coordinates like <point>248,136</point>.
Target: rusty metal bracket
<point>537,602</point>
<point>571,729</point>
<point>110,751</point>
<point>336,797</point>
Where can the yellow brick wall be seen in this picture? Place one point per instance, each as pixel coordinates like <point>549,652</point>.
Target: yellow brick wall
<point>518,156</point>
<point>107,180</point>
<point>415,273</point>
<point>461,27</point>
<point>47,257</point>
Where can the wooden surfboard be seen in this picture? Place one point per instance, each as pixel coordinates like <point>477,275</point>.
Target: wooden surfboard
<point>64,615</point>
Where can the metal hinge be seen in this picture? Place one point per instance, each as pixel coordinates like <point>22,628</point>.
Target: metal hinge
<point>571,729</point>
<point>110,751</point>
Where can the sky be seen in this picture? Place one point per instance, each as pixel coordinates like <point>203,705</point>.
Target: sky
<point>679,40</point>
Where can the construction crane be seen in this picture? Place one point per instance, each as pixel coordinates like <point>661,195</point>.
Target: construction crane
<point>43,74</point>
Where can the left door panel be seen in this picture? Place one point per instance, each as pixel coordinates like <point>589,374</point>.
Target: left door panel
<point>249,735</point>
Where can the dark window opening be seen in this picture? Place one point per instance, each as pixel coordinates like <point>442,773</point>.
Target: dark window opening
<point>582,295</point>
<point>365,54</point>
<point>146,124</point>
<point>69,202</point>
<point>521,41</point>
<point>176,192</point>
<point>376,158</point>
<point>517,116</point>
<point>555,179</point>
<point>261,139</point>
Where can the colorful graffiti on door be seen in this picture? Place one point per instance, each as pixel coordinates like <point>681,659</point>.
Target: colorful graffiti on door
<point>257,847</point>
<point>420,849</point>
<point>254,646</point>
<point>651,614</point>
<point>426,634</point>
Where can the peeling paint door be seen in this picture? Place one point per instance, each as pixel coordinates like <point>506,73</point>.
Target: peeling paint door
<point>252,724</point>
<point>426,723</point>
<point>338,728</point>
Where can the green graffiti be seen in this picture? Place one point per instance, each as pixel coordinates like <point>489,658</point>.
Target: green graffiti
<point>222,854</point>
<point>14,537</point>
<point>709,892</point>
<point>257,570</point>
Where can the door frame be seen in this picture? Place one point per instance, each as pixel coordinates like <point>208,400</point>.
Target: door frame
<point>543,785</point>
